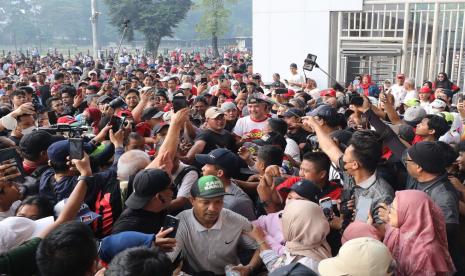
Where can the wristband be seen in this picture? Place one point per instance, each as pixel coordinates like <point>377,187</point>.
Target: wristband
<point>87,179</point>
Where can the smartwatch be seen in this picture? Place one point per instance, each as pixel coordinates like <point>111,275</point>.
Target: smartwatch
<point>87,179</point>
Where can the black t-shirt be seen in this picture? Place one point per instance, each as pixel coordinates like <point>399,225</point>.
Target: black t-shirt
<point>139,220</point>
<point>215,140</point>
<point>299,137</point>
<point>230,125</point>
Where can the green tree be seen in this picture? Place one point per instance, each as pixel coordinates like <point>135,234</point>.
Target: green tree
<point>155,19</point>
<point>214,20</point>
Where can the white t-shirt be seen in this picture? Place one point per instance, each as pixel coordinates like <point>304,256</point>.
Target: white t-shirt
<point>246,125</point>
<point>298,78</point>
<point>412,94</point>
<point>398,91</point>
<point>292,149</point>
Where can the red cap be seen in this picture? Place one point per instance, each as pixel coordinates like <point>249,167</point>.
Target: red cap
<point>290,93</point>
<point>174,70</point>
<point>125,113</point>
<point>400,76</point>
<point>66,120</point>
<point>425,89</point>
<point>328,92</point>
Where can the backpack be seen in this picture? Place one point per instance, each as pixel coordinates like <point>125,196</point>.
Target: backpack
<point>178,180</point>
<point>109,206</point>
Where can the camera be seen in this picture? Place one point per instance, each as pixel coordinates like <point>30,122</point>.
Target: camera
<point>37,106</point>
<point>348,99</point>
<point>312,142</point>
<point>117,103</point>
<point>66,130</point>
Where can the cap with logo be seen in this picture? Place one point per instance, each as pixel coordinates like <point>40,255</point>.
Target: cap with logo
<point>84,215</point>
<point>58,151</point>
<point>147,183</point>
<point>272,138</point>
<point>221,157</point>
<point>328,92</point>
<point>208,186</point>
<point>213,112</point>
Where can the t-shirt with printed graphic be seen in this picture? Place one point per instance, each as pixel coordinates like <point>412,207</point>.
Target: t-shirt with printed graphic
<point>247,126</point>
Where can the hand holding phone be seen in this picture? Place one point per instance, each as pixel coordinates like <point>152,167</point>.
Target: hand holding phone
<point>326,205</point>
<point>76,148</point>
<point>171,222</point>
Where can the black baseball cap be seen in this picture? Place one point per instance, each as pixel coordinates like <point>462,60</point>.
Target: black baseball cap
<point>147,183</point>
<point>104,99</point>
<point>324,111</point>
<point>38,141</point>
<point>151,112</point>
<point>159,127</point>
<point>294,112</point>
<point>223,158</point>
<point>305,188</point>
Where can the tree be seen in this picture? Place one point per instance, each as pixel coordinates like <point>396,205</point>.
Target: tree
<point>155,19</point>
<point>214,20</point>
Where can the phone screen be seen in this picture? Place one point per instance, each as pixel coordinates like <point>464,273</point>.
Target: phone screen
<point>171,222</point>
<point>76,149</point>
<point>115,123</point>
<point>363,208</point>
<point>326,205</point>
<point>12,156</point>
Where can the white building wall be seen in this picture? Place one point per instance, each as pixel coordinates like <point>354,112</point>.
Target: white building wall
<point>285,31</point>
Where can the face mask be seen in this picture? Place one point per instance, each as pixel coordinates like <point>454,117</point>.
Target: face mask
<point>28,130</point>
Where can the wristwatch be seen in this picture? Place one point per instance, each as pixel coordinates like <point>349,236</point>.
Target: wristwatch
<point>87,179</point>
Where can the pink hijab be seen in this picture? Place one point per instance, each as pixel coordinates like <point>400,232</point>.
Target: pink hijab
<point>359,229</point>
<point>419,244</point>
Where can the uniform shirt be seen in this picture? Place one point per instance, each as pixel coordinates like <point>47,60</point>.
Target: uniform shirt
<point>211,249</point>
<point>247,126</point>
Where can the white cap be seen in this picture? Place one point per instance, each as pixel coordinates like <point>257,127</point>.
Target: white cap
<point>359,257</point>
<point>167,78</point>
<point>186,85</point>
<point>16,230</point>
<point>91,72</point>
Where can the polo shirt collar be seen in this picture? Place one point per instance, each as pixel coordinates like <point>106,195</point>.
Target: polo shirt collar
<point>200,228</point>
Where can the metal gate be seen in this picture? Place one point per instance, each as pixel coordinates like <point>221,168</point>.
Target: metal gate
<point>412,37</point>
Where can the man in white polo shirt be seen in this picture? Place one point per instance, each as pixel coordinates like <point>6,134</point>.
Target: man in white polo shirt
<point>209,237</point>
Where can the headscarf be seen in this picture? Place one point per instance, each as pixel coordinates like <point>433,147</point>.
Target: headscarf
<point>419,244</point>
<point>368,84</point>
<point>235,91</point>
<point>446,83</point>
<point>305,228</point>
<point>95,115</point>
<point>359,229</point>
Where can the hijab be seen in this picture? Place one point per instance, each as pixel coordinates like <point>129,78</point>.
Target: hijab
<point>368,84</point>
<point>360,229</point>
<point>305,228</point>
<point>419,244</point>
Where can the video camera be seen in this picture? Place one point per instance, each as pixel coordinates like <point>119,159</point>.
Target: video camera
<point>66,130</point>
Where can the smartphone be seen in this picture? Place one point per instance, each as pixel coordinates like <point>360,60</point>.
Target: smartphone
<point>115,123</point>
<point>76,148</point>
<point>171,222</point>
<point>326,205</point>
<point>123,122</point>
<point>12,155</point>
<point>363,208</point>
<point>179,102</point>
<point>203,80</point>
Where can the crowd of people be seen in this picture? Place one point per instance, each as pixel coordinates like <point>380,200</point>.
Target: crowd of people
<point>190,165</point>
